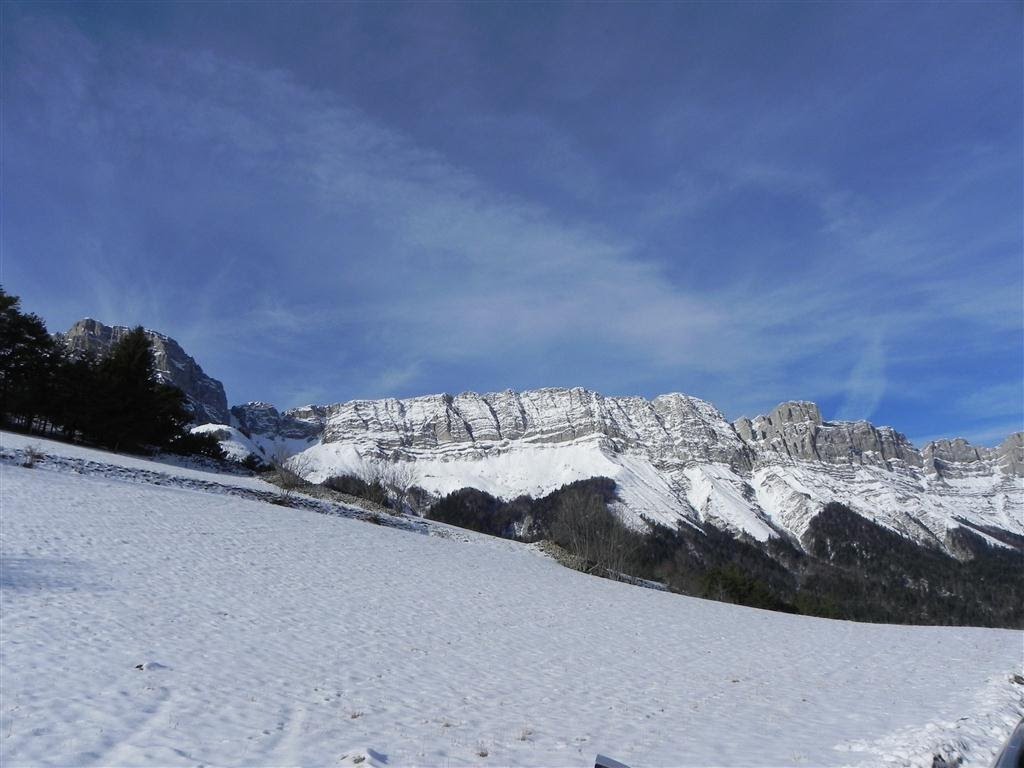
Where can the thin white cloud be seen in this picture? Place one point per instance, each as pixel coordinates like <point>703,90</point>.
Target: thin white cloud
<point>358,239</point>
<point>866,383</point>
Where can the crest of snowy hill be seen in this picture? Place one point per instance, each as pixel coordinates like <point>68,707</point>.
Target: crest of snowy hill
<point>205,395</point>
<point>675,459</point>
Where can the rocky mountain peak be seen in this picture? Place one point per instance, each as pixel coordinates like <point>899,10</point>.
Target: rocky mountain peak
<point>796,412</point>
<point>796,430</point>
<point>1010,455</point>
<point>205,395</point>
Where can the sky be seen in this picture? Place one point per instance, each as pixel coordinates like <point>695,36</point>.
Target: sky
<point>749,203</point>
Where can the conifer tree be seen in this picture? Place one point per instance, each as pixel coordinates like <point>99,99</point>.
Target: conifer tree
<point>74,395</point>
<point>28,360</point>
<point>133,409</point>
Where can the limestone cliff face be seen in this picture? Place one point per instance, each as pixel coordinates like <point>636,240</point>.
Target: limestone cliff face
<point>205,395</point>
<point>958,458</point>
<point>263,419</point>
<point>796,430</point>
<point>671,426</point>
<point>674,458</point>
<point>1010,455</point>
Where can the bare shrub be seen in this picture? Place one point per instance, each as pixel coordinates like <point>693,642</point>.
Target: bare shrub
<point>398,475</point>
<point>368,471</point>
<point>288,470</point>
<point>397,478</point>
<point>32,455</point>
<point>301,465</point>
<point>278,455</point>
<point>351,485</point>
<point>585,527</point>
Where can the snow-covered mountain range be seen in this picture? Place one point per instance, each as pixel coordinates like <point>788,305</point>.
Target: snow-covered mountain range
<point>675,458</point>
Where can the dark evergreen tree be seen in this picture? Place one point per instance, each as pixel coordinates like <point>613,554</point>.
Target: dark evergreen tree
<point>197,444</point>
<point>28,361</point>
<point>74,396</point>
<point>133,409</point>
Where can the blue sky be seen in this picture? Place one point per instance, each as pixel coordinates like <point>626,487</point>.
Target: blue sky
<point>749,203</point>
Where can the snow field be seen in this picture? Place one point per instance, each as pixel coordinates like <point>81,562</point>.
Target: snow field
<point>276,636</point>
<point>173,466</point>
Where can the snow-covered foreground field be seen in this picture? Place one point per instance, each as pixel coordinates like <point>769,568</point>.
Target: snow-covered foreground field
<point>275,636</point>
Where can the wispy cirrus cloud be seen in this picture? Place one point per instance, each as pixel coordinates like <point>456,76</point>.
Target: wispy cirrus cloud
<point>276,226</point>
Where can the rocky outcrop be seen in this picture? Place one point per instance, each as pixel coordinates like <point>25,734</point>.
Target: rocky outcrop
<point>796,430</point>
<point>205,395</point>
<point>791,430</point>
<point>264,420</point>
<point>671,427</point>
<point>957,458</point>
<point>1010,455</point>
<point>956,451</point>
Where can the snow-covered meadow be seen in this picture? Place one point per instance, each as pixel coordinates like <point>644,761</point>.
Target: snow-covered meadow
<point>178,624</point>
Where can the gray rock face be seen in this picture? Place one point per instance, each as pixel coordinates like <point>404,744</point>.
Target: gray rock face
<point>205,395</point>
<point>956,451</point>
<point>1010,455</point>
<point>673,426</point>
<point>956,458</point>
<point>791,430</point>
<point>264,419</point>
<point>796,430</point>
<point>675,459</point>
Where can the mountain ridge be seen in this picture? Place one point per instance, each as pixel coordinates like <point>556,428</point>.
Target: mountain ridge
<point>676,458</point>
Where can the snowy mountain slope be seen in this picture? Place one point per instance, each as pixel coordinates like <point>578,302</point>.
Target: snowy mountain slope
<point>675,458</point>
<point>273,636</point>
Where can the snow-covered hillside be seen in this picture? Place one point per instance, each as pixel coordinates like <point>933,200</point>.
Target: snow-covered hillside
<point>180,623</point>
<point>674,458</point>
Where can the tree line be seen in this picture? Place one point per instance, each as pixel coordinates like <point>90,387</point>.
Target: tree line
<point>115,401</point>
